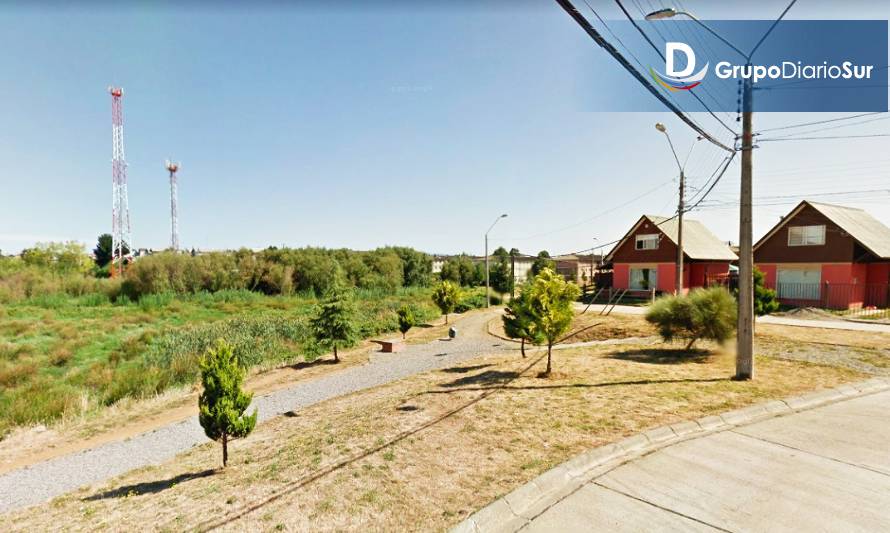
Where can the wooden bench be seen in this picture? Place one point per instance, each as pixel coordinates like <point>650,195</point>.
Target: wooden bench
<point>391,345</point>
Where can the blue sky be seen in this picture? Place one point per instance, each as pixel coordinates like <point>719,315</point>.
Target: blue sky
<point>369,124</point>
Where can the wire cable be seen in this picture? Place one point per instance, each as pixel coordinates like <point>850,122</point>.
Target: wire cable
<point>818,122</point>
<point>658,51</point>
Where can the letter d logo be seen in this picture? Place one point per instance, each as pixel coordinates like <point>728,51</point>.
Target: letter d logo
<point>682,80</point>
<point>669,61</point>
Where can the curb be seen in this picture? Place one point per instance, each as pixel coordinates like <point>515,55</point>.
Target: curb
<point>518,508</point>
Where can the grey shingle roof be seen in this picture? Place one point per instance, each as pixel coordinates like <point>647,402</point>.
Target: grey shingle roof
<point>698,241</point>
<point>863,227</point>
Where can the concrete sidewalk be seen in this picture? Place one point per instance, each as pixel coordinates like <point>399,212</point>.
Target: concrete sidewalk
<point>826,324</point>
<point>825,469</point>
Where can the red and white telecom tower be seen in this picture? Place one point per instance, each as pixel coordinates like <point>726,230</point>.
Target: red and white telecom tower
<point>174,210</point>
<point>122,238</point>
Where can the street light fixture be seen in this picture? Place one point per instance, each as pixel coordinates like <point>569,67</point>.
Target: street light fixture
<point>487,285</point>
<point>665,13</point>
<point>745,333</point>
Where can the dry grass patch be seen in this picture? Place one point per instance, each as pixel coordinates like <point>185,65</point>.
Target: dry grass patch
<point>840,337</point>
<point>591,326</point>
<point>425,452</point>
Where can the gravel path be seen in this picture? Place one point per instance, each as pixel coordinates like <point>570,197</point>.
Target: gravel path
<point>44,481</point>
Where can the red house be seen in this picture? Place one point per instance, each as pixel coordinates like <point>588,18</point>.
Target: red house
<point>825,255</point>
<point>646,257</point>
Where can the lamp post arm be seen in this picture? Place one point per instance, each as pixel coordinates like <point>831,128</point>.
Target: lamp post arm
<point>673,151</point>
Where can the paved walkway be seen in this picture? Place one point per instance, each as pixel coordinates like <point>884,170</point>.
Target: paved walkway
<point>43,481</point>
<point>826,469</point>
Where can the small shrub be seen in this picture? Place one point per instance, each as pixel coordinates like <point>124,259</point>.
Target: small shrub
<point>765,300</point>
<point>13,374</point>
<point>446,296</point>
<point>11,351</point>
<point>406,320</point>
<point>702,314</point>
<point>60,356</point>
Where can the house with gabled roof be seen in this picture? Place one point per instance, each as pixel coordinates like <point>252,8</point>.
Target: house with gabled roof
<point>826,255</point>
<point>645,258</point>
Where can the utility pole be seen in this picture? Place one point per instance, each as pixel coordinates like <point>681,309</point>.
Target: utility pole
<point>678,278</point>
<point>512,275</point>
<point>745,337</point>
<point>678,275</point>
<point>487,284</point>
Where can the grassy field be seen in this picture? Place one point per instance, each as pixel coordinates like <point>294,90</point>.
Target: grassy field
<point>425,452</point>
<point>63,357</point>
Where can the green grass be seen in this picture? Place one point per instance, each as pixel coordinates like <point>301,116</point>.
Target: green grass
<point>63,356</point>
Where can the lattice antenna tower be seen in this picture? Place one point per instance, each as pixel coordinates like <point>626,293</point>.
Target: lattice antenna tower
<point>122,237</point>
<point>172,167</point>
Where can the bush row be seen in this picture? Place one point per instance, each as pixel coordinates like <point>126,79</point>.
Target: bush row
<point>272,271</point>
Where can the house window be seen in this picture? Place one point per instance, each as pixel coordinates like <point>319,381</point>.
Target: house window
<point>647,241</point>
<point>643,279</point>
<point>806,235</point>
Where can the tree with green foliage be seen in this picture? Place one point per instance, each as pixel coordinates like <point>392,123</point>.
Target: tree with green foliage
<point>333,325</point>
<point>417,266</point>
<point>701,314</point>
<point>65,257</point>
<point>406,319</point>
<point>445,296</point>
<point>222,403</point>
<point>500,273</point>
<point>518,320</point>
<point>103,252</point>
<point>765,300</point>
<point>542,261</point>
<point>551,298</point>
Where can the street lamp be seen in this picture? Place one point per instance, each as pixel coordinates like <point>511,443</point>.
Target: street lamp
<point>678,276</point>
<point>487,285</point>
<point>745,334</point>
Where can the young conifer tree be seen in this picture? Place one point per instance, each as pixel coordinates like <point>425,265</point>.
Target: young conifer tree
<point>222,403</point>
<point>334,326</point>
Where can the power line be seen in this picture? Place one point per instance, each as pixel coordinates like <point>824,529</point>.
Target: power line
<point>816,123</point>
<point>828,128</point>
<point>725,165</point>
<point>598,215</point>
<point>777,139</point>
<point>606,45</point>
<point>658,51</point>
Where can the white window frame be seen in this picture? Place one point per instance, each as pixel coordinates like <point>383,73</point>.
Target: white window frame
<point>643,238</point>
<point>806,235</point>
